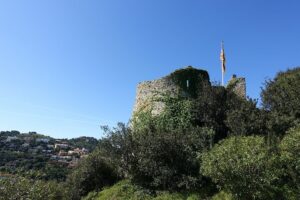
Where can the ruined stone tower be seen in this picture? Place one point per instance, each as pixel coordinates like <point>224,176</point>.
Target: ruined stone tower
<point>187,82</point>
<point>237,85</point>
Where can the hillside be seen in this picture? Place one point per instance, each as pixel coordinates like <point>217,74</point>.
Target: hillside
<point>34,154</point>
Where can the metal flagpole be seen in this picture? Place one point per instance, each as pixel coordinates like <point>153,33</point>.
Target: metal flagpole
<point>222,75</point>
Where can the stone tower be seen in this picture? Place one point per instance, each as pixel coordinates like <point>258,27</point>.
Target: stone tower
<point>185,82</point>
<point>237,85</point>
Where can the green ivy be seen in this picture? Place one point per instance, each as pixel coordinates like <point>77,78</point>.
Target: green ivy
<point>196,78</point>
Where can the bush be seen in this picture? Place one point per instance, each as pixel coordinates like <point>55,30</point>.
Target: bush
<point>20,188</point>
<point>290,158</point>
<point>165,148</point>
<point>281,97</point>
<point>243,166</point>
<point>125,190</point>
<point>92,173</point>
<point>244,118</point>
<point>168,159</point>
<point>222,196</point>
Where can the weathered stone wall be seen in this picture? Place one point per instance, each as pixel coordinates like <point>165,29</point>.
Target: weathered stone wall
<point>238,86</point>
<point>148,90</point>
<point>185,82</point>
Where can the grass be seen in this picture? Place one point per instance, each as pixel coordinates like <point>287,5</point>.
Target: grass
<point>125,190</point>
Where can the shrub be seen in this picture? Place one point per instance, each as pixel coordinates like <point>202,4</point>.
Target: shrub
<point>244,118</point>
<point>121,191</point>
<point>168,159</point>
<point>290,159</point>
<point>125,190</point>
<point>92,173</point>
<point>243,166</point>
<point>281,97</point>
<point>222,196</point>
<point>165,147</point>
<point>21,188</point>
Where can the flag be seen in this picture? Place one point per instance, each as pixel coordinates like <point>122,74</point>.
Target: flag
<point>222,58</point>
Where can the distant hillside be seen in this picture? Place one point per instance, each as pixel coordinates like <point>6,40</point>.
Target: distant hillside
<point>41,156</point>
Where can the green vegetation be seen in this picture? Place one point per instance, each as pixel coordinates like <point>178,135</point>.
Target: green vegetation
<point>92,173</point>
<point>290,160</point>
<point>207,144</point>
<point>191,81</point>
<point>34,156</point>
<point>89,143</point>
<point>21,188</point>
<point>280,98</point>
<point>244,118</point>
<point>126,190</point>
<point>244,166</point>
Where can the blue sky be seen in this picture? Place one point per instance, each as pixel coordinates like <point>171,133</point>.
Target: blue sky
<point>67,67</point>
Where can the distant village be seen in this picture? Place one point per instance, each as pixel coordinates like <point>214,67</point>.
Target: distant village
<point>24,146</point>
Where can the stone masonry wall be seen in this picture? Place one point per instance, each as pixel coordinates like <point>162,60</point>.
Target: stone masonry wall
<point>148,90</point>
<point>238,86</point>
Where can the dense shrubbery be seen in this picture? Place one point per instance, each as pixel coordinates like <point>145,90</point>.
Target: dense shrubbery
<point>290,159</point>
<point>281,98</point>
<point>165,147</point>
<point>244,166</point>
<point>20,188</point>
<point>92,173</point>
<point>244,118</point>
<point>125,190</point>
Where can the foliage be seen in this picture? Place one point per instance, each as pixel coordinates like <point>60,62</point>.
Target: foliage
<point>89,143</point>
<point>168,159</point>
<point>209,110</point>
<point>92,173</point>
<point>117,147</point>
<point>222,196</point>
<point>197,80</point>
<point>165,147</point>
<point>125,190</point>
<point>9,133</point>
<point>232,84</point>
<point>20,188</point>
<point>29,154</point>
<point>243,166</point>
<point>290,159</point>
<point>281,97</point>
<point>244,118</point>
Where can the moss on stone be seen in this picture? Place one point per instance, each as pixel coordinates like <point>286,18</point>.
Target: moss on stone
<point>232,84</point>
<point>196,80</point>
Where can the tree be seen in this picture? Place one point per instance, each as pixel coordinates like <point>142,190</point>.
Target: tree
<point>281,97</point>
<point>210,108</point>
<point>244,118</point>
<point>92,173</point>
<point>243,166</point>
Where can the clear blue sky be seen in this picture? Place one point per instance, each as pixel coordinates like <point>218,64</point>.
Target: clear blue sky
<point>66,67</point>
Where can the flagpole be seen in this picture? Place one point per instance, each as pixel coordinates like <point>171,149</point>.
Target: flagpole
<point>221,57</point>
<point>222,76</point>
